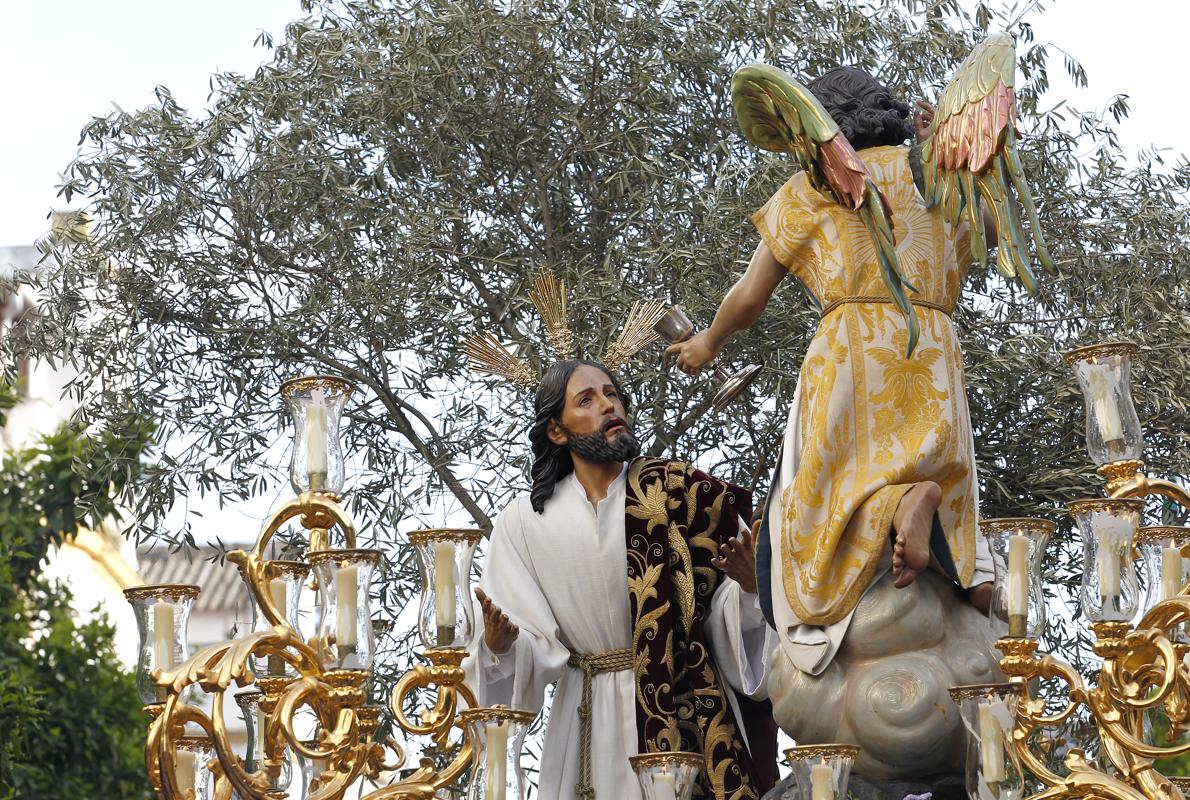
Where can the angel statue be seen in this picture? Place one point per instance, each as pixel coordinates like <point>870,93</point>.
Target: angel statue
<point>876,475</point>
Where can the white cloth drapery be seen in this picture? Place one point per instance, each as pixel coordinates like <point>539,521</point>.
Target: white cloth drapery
<point>561,577</point>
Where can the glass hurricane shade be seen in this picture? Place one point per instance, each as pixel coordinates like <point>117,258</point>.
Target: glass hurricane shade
<point>498,734</point>
<point>821,771</point>
<point>666,775</point>
<point>1113,429</point>
<point>1018,548</point>
<point>1110,591</point>
<point>1165,566</point>
<point>344,633</point>
<point>285,590</point>
<point>444,609</point>
<point>162,617</point>
<point>249,703</point>
<point>988,711</point>
<point>255,721</point>
<point>316,404</point>
<point>313,769</point>
<point>191,770</point>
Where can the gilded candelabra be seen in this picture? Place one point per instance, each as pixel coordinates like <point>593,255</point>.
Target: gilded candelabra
<point>1144,673</point>
<point>310,700</point>
<point>321,682</point>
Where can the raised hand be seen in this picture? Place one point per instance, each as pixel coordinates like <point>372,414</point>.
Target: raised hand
<point>498,632</point>
<point>692,354</point>
<point>737,558</point>
<point>923,118</point>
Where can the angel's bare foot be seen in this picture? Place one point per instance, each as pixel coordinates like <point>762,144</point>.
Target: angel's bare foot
<point>912,521</point>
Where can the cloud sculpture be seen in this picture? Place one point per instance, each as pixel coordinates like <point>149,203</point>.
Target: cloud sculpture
<point>886,689</point>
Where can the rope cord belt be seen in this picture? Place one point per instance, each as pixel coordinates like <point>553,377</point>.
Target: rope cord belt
<point>875,298</point>
<point>591,665</point>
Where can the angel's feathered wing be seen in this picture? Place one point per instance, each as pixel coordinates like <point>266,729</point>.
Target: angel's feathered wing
<point>970,158</point>
<point>777,113</point>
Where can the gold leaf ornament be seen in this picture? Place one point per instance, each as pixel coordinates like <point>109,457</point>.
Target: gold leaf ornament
<point>548,295</point>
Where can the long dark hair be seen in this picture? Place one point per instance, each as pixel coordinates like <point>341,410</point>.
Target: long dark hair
<point>864,108</point>
<point>551,462</point>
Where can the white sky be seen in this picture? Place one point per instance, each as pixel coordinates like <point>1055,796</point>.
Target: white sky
<point>66,61</point>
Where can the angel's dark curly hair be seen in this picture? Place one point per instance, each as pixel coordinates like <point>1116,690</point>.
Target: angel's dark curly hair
<point>864,108</point>
<point>551,462</point>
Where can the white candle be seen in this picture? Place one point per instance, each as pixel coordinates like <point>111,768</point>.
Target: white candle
<point>496,761</point>
<point>1018,575</point>
<point>1107,561</point>
<point>278,590</point>
<point>822,782</point>
<point>665,786</point>
<point>346,606</point>
<point>316,434</point>
<point>444,584</point>
<point>184,770</point>
<point>1171,572</point>
<point>163,635</point>
<point>991,745</point>
<point>262,725</point>
<point>1107,415</point>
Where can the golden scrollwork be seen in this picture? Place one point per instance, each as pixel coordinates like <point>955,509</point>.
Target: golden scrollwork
<point>990,527</point>
<point>337,698</point>
<point>665,759</point>
<point>328,383</point>
<point>461,535</point>
<point>1128,479</point>
<point>174,592</point>
<point>1142,669</point>
<point>821,751</point>
<point>981,690</point>
<point>1101,350</point>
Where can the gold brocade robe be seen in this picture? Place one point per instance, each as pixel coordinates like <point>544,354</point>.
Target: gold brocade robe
<point>872,422</point>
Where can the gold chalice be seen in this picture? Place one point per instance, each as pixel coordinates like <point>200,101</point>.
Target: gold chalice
<point>676,327</point>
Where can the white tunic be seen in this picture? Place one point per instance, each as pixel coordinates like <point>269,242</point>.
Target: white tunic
<point>562,577</point>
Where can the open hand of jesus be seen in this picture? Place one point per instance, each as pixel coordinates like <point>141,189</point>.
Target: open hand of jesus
<point>737,558</point>
<point>498,632</point>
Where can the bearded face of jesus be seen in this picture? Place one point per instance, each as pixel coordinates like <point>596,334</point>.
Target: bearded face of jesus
<point>594,423</point>
<point>580,412</point>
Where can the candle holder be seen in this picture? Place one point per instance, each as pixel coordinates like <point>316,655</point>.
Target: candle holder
<point>344,635</point>
<point>1166,566</point>
<point>667,775</point>
<point>498,734</point>
<point>988,711</point>
<point>1109,588</point>
<point>821,771</point>
<point>444,609</point>
<point>321,685</point>
<point>162,618</point>
<point>1018,547</point>
<point>285,589</point>
<point>192,773</point>
<point>1142,681</point>
<point>256,721</point>
<point>249,703</point>
<point>1113,429</point>
<point>316,403</point>
<point>676,327</point>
